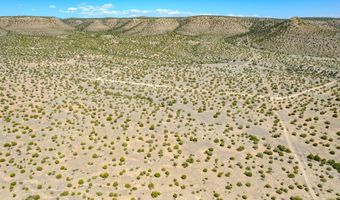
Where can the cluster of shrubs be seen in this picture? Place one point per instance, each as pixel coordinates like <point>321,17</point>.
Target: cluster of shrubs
<point>335,165</point>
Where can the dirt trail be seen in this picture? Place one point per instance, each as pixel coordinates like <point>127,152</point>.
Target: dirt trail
<point>138,84</point>
<point>285,129</point>
<point>158,86</point>
<point>290,144</point>
<point>167,47</point>
<point>271,97</point>
<point>296,156</point>
<point>305,91</point>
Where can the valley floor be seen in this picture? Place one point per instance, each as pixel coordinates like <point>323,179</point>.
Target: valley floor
<point>160,117</point>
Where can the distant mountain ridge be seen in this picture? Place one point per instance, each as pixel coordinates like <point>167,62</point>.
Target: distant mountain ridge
<point>35,25</point>
<point>194,26</point>
<point>313,36</point>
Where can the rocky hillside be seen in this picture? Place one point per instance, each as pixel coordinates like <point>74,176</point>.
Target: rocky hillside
<point>2,32</point>
<point>314,37</point>
<point>306,36</point>
<point>142,26</point>
<point>35,25</point>
<point>213,25</point>
<point>191,26</point>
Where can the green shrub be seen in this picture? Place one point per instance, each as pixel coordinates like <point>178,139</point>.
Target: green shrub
<point>155,194</point>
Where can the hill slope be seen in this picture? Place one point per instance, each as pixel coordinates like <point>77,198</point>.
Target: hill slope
<point>299,36</point>
<point>191,26</point>
<point>213,25</point>
<point>35,25</point>
<point>142,26</point>
<point>306,36</point>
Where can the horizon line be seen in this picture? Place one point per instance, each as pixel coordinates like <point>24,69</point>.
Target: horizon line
<point>135,17</point>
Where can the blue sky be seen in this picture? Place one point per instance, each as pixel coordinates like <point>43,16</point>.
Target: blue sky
<point>131,8</point>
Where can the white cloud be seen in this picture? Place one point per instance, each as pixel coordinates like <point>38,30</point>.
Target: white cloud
<point>52,6</point>
<point>136,11</point>
<point>172,12</point>
<point>106,10</point>
<point>72,10</point>
<point>241,15</point>
<point>107,6</point>
<point>89,10</point>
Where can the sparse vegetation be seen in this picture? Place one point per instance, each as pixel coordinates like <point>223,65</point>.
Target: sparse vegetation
<point>169,108</point>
